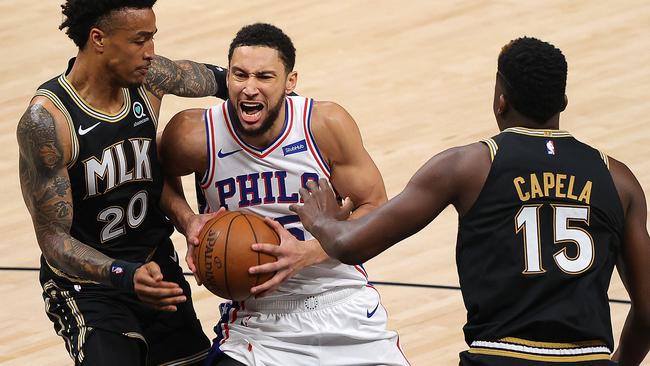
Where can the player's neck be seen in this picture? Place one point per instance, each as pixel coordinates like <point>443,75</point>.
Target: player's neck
<point>518,120</point>
<point>91,81</point>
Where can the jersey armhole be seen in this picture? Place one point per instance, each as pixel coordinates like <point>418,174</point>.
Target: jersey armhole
<point>210,143</point>
<point>73,135</point>
<point>147,102</point>
<point>311,141</point>
<point>605,158</point>
<point>492,145</point>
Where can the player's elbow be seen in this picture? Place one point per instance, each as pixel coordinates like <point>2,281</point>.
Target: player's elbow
<point>51,244</point>
<point>346,253</point>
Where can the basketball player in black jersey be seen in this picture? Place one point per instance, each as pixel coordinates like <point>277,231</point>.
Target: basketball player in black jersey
<point>543,219</point>
<point>92,182</point>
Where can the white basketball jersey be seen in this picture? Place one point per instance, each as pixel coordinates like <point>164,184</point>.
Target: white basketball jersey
<point>266,181</point>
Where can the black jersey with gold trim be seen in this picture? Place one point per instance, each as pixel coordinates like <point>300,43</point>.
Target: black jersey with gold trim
<point>536,252</point>
<point>114,172</point>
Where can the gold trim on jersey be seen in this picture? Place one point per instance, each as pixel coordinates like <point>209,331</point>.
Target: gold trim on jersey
<point>76,313</point>
<point>525,356</point>
<point>526,342</point>
<point>73,134</point>
<point>605,158</point>
<point>143,94</point>
<point>542,351</point>
<point>538,132</point>
<point>189,359</point>
<point>136,335</point>
<point>84,106</point>
<point>47,299</point>
<point>492,145</point>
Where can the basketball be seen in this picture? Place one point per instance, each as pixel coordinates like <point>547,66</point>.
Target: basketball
<point>224,254</point>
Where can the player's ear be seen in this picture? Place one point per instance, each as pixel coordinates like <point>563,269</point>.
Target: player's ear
<point>566,102</point>
<point>292,80</point>
<point>502,105</point>
<point>96,39</point>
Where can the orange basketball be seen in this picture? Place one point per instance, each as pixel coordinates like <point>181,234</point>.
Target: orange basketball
<point>224,254</point>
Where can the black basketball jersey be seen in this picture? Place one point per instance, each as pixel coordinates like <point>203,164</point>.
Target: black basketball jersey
<point>115,176</point>
<point>536,252</point>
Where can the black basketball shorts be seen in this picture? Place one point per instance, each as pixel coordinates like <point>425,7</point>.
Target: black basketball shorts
<point>469,359</point>
<point>77,308</point>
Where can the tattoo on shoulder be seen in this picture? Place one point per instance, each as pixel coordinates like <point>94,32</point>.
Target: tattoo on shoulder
<point>37,138</point>
<point>47,193</point>
<point>182,78</point>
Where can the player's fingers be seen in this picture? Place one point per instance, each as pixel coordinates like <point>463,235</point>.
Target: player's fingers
<point>312,186</point>
<point>305,195</point>
<point>267,268</point>
<point>279,229</point>
<point>189,259</point>
<point>163,301</point>
<point>346,209</point>
<point>268,286</point>
<point>197,279</point>
<point>154,270</point>
<point>159,292</point>
<point>295,208</point>
<point>192,240</point>
<point>274,224</point>
<point>270,249</point>
<point>144,278</point>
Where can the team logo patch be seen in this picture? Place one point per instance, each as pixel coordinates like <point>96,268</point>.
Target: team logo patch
<point>550,147</point>
<point>295,148</point>
<point>138,110</point>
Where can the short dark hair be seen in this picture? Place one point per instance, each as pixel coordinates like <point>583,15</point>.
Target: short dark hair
<point>82,15</point>
<point>533,74</point>
<point>262,34</point>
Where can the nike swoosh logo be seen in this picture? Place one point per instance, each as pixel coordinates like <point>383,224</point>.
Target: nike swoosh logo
<point>371,313</point>
<point>83,131</point>
<point>174,257</point>
<point>222,155</point>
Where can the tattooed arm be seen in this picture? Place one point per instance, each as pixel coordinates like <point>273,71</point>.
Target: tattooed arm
<point>183,78</point>
<point>46,190</point>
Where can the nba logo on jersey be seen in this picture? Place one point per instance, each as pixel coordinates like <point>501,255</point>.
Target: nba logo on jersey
<point>550,147</point>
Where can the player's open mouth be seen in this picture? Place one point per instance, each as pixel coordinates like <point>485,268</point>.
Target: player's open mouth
<point>251,111</point>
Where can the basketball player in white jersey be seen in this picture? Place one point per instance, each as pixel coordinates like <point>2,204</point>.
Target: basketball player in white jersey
<point>262,147</point>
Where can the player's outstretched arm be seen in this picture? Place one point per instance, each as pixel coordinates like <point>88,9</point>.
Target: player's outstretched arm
<point>182,151</point>
<point>634,267</point>
<point>46,190</point>
<point>185,78</point>
<point>450,177</point>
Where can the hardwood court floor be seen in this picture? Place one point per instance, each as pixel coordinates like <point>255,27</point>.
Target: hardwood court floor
<point>418,77</point>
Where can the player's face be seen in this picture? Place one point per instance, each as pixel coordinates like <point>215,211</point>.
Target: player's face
<point>257,85</point>
<point>128,45</point>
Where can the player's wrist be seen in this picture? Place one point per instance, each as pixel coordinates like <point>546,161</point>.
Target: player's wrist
<point>122,274</point>
<point>220,78</point>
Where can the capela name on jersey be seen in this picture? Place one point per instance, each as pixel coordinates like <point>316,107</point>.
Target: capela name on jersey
<point>552,185</point>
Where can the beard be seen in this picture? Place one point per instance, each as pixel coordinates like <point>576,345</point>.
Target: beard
<point>266,125</point>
